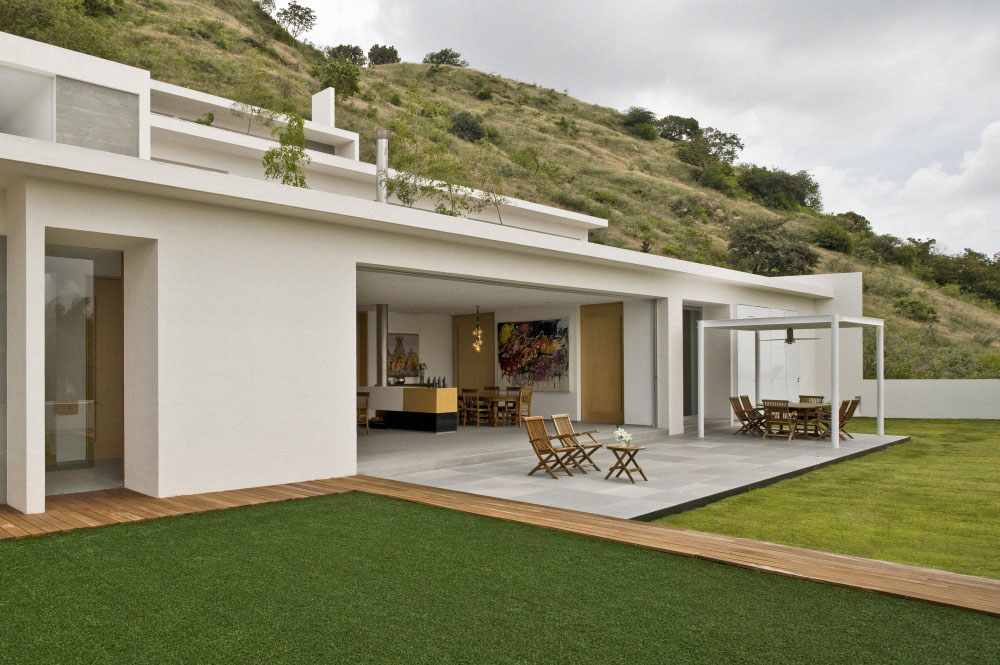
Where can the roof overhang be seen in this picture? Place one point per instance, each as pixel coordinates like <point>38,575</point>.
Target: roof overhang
<point>795,322</point>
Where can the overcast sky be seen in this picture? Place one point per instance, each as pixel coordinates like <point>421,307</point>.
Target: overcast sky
<point>893,106</point>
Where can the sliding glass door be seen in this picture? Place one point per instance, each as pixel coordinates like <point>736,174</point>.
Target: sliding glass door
<point>70,367</point>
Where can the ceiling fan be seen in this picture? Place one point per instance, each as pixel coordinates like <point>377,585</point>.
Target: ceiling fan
<point>790,338</point>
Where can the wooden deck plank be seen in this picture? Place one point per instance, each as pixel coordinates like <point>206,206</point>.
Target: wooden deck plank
<point>104,507</point>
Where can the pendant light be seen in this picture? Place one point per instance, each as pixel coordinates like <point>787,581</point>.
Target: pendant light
<point>477,334</point>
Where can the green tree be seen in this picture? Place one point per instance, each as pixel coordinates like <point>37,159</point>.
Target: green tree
<point>352,54</point>
<point>267,6</point>
<point>637,115</point>
<point>296,19</point>
<point>777,188</point>
<point>445,56</point>
<point>467,126</point>
<point>676,128</point>
<point>287,161</point>
<point>831,235</point>
<point>341,75</point>
<point>764,247</point>
<point>382,55</point>
<point>709,145</point>
<point>854,223</point>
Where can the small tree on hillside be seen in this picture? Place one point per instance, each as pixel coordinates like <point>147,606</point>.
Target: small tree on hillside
<point>267,6</point>
<point>343,76</point>
<point>287,161</point>
<point>349,52</point>
<point>382,55</point>
<point>445,56</point>
<point>296,19</point>
<point>637,115</point>
<point>676,128</point>
<point>764,247</point>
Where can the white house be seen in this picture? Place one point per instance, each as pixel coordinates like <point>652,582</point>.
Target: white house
<point>188,324</point>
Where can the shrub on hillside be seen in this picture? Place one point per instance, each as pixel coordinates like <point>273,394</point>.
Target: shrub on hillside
<point>343,76</point>
<point>637,115</point>
<point>764,247</point>
<point>58,22</point>
<point>445,56</point>
<point>778,188</point>
<point>382,55</point>
<point>467,126</point>
<point>915,309</point>
<point>831,235</point>
<point>645,131</point>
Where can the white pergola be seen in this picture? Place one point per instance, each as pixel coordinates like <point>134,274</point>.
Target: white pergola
<point>834,322</point>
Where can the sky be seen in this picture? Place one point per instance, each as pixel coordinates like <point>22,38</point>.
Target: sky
<point>893,106</point>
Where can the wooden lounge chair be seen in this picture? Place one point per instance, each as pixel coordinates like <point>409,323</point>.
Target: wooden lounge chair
<point>583,450</point>
<point>471,407</point>
<point>811,399</point>
<point>778,419</point>
<point>551,458</point>
<point>363,410</point>
<point>749,420</point>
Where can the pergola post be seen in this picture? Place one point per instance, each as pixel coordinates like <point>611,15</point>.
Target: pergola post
<point>880,379</point>
<point>835,380</point>
<point>701,379</point>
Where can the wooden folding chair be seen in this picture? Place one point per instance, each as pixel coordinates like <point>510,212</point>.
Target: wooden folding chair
<point>583,450</point>
<point>778,415</point>
<point>551,458</point>
<point>363,411</point>
<point>811,399</point>
<point>470,406</point>
<point>847,409</point>
<point>749,420</point>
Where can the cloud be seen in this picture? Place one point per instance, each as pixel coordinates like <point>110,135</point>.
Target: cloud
<point>958,208</point>
<point>875,92</point>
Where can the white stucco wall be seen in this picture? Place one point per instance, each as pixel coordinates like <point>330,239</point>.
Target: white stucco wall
<point>639,363</point>
<point>933,398</point>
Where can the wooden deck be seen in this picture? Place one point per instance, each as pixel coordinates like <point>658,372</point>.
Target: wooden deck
<point>74,511</point>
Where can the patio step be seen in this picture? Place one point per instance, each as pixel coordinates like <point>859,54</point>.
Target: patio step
<point>411,464</point>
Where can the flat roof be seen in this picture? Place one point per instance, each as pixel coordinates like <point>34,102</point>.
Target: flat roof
<point>795,322</point>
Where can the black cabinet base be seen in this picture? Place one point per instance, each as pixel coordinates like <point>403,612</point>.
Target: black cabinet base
<point>422,422</point>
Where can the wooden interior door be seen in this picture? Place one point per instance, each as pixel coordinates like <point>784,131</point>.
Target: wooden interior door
<point>602,385</point>
<point>474,369</point>
<point>109,361</point>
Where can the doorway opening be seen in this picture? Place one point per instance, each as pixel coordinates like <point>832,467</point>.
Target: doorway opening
<point>84,369</point>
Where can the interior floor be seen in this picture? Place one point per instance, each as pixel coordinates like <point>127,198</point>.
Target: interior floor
<point>105,474</point>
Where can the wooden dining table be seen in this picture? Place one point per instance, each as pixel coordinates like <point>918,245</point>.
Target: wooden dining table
<point>494,403</point>
<point>807,410</point>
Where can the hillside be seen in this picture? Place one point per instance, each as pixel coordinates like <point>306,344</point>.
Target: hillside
<point>550,148</point>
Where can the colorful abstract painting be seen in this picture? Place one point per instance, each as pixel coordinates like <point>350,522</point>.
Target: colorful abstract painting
<point>534,354</point>
<point>404,355</point>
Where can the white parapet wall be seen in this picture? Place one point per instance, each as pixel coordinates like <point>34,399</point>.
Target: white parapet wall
<point>935,398</point>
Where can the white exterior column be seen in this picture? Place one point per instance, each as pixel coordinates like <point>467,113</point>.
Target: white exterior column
<point>701,379</point>
<point>25,355</point>
<point>670,364</point>
<point>880,379</point>
<point>835,380</point>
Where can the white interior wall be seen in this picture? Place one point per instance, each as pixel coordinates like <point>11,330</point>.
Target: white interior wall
<point>544,403</point>
<point>718,365</point>
<point>639,362</point>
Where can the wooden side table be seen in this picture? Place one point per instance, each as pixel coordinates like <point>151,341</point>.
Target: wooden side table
<point>625,461</point>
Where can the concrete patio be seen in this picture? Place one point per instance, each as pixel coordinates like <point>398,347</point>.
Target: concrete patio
<point>683,470</point>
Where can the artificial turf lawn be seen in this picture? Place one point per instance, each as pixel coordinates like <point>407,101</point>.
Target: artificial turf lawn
<point>933,501</point>
<point>359,578</point>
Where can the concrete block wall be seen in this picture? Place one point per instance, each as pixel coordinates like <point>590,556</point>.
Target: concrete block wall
<point>92,116</point>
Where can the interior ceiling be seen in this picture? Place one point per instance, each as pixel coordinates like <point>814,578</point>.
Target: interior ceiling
<point>445,295</point>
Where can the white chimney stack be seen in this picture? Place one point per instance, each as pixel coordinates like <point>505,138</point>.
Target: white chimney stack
<point>323,109</point>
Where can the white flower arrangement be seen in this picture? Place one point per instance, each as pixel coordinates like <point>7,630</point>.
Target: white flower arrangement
<point>621,436</point>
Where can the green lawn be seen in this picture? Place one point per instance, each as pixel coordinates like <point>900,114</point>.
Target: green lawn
<point>934,501</point>
<point>363,579</point>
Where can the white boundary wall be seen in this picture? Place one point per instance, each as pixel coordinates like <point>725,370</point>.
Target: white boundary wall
<point>935,398</point>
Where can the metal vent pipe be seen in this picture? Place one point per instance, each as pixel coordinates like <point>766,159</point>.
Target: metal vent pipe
<point>381,164</point>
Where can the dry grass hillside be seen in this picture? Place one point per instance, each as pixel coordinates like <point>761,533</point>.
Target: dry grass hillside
<point>551,148</point>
